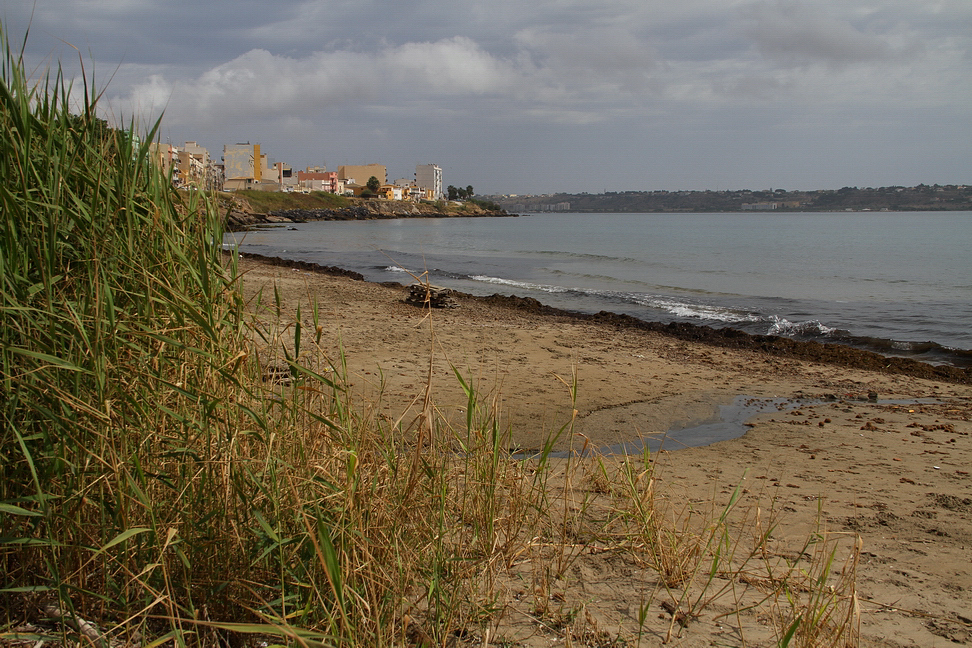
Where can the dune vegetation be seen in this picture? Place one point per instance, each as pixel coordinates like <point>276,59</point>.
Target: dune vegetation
<point>184,467</point>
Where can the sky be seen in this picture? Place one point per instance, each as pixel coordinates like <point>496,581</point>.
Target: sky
<point>538,97</point>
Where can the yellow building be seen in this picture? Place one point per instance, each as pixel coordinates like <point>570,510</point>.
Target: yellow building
<point>391,192</point>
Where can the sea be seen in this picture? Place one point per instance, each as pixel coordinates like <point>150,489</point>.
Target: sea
<point>897,283</point>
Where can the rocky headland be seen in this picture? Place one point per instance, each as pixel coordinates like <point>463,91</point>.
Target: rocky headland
<point>241,214</point>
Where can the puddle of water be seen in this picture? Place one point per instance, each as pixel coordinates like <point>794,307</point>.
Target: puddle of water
<point>729,423</point>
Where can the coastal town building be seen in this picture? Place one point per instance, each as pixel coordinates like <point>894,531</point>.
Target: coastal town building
<point>319,179</point>
<point>286,177</point>
<point>392,192</point>
<point>247,167</point>
<point>189,165</point>
<point>429,178</point>
<point>242,166</point>
<point>191,172</point>
<point>360,173</point>
<point>193,165</point>
<point>165,156</point>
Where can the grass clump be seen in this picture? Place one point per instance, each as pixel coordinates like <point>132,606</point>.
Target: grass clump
<point>116,361</point>
<point>264,202</point>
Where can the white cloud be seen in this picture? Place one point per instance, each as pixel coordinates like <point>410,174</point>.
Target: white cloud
<point>596,70</point>
<point>260,84</point>
<point>453,66</point>
<point>570,75</point>
<point>152,95</point>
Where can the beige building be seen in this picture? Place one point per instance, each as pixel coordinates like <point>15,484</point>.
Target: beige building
<point>165,156</point>
<point>319,179</point>
<point>286,177</point>
<point>361,173</point>
<point>190,165</point>
<point>246,167</point>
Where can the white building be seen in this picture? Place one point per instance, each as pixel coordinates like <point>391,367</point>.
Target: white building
<point>429,177</point>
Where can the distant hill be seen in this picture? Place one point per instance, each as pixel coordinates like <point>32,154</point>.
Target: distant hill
<point>920,198</point>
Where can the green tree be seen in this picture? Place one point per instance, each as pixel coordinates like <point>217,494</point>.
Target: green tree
<point>469,191</point>
<point>452,193</point>
<point>373,185</point>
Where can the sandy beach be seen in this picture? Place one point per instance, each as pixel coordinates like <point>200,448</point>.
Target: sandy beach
<point>844,453</point>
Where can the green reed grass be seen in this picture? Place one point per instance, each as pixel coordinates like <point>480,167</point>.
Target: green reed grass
<point>115,356</point>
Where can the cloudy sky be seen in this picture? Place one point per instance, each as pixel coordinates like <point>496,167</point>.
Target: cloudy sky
<point>542,96</point>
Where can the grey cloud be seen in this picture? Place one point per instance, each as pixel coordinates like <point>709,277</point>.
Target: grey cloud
<point>535,81</point>
<point>142,31</point>
<point>591,60</point>
<point>797,34</point>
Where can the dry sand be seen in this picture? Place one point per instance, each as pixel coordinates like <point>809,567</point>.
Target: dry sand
<point>833,460</point>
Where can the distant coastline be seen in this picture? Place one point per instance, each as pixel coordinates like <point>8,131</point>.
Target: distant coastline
<point>894,198</point>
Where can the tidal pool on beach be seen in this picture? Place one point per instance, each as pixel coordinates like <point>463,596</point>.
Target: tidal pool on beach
<point>729,421</point>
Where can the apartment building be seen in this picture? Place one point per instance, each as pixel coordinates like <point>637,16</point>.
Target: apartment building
<point>190,165</point>
<point>247,167</point>
<point>429,178</point>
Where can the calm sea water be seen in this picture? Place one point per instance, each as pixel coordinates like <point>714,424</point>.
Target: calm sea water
<point>897,283</point>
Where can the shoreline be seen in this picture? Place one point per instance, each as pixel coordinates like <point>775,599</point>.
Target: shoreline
<point>829,352</point>
<point>843,458</point>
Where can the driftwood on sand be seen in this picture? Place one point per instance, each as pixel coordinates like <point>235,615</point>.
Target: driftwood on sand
<point>426,295</point>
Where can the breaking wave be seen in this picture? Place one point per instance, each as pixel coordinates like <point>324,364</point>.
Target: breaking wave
<point>691,310</point>
<point>521,284</point>
<point>680,308</point>
<point>810,328</point>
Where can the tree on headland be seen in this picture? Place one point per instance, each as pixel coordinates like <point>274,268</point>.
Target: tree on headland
<point>373,184</point>
<point>459,194</point>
